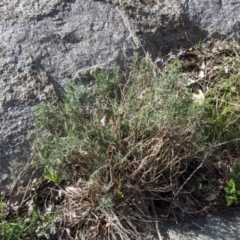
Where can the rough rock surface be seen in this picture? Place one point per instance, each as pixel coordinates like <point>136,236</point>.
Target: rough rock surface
<point>158,25</point>
<point>221,226</point>
<point>216,16</point>
<point>20,84</point>
<point>43,45</point>
<point>162,24</point>
<point>46,44</point>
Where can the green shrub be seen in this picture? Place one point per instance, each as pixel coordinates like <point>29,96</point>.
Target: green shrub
<point>122,136</point>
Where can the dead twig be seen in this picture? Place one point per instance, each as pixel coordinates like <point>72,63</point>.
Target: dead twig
<point>156,222</point>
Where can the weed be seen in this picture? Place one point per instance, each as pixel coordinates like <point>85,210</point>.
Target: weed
<point>232,194</point>
<point>104,203</point>
<point>52,175</point>
<point>120,193</point>
<point>22,229</point>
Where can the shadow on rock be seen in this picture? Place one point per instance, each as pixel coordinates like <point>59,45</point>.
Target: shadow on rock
<point>174,35</point>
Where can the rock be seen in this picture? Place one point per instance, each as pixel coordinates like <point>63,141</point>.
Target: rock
<point>219,17</point>
<point>44,45</point>
<point>152,23</point>
<point>20,86</point>
<point>160,25</point>
<point>222,225</point>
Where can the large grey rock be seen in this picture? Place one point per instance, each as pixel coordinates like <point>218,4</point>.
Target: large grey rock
<point>216,16</point>
<point>156,24</point>
<point>223,225</point>
<point>160,25</point>
<point>44,45</point>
